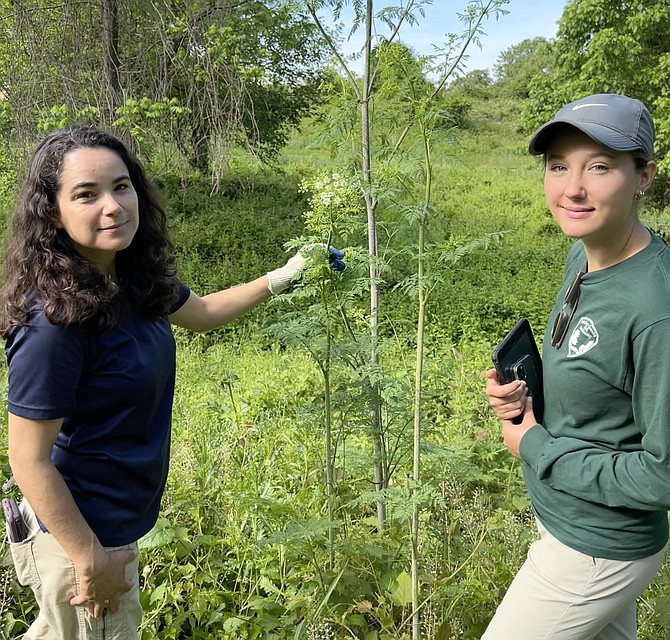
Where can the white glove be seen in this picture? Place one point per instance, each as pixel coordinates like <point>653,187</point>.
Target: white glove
<point>280,279</point>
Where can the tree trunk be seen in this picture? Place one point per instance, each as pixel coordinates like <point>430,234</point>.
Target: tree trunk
<point>111,90</point>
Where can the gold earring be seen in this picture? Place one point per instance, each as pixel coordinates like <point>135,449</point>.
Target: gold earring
<point>639,195</point>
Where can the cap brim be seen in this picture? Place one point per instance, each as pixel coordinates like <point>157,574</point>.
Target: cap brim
<point>604,136</point>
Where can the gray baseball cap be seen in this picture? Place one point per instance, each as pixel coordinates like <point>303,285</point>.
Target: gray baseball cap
<point>613,121</point>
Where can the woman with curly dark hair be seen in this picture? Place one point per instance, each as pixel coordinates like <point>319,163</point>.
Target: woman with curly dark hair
<point>89,292</point>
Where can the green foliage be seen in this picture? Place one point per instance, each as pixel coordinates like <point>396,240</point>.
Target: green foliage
<point>456,102</point>
<point>269,526</point>
<point>243,73</point>
<point>399,75</point>
<point>145,118</point>
<point>57,117</point>
<point>8,183</point>
<point>336,207</point>
<point>474,83</point>
<point>454,111</point>
<point>233,235</point>
<point>612,45</point>
<point>6,117</point>
<point>241,549</point>
<point>275,51</point>
<point>517,67</point>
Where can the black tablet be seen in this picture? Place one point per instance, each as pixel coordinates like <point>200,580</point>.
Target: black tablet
<point>517,357</point>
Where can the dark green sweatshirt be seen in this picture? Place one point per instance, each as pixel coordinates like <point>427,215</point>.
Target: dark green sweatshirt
<point>598,468</point>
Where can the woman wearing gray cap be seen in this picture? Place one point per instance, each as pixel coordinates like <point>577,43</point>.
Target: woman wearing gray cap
<point>598,467</point>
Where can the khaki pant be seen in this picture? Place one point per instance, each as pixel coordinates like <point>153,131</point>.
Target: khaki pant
<point>562,594</point>
<point>41,564</point>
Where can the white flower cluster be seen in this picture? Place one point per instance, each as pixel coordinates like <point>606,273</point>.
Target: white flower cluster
<point>331,191</point>
<point>321,631</point>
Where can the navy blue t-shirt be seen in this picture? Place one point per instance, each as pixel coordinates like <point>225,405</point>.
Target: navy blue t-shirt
<point>114,392</point>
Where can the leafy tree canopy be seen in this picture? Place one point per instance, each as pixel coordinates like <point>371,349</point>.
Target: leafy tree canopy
<point>517,66</point>
<point>475,83</point>
<point>198,75</point>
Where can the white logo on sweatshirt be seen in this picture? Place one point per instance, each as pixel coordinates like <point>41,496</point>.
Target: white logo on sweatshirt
<point>583,338</point>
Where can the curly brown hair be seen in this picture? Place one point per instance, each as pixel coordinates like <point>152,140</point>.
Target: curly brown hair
<point>40,264</point>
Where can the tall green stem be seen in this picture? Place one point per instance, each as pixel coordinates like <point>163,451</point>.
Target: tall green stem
<point>378,443</point>
<point>378,439</point>
<point>418,376</point>
<point>328,446</point>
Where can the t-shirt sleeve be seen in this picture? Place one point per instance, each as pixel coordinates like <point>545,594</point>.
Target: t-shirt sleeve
<point>184,293</point>
<point>44,363</point>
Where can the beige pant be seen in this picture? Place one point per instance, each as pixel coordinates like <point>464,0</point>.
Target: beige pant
<point>562,594</point>
<point>41,564</point>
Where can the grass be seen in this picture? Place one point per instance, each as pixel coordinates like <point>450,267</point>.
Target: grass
<point>240,551</point>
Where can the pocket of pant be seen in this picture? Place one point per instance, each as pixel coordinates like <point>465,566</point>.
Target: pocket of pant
<point>24,562</point>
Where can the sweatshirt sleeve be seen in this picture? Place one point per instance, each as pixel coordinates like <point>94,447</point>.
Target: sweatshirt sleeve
<point>638,477</point>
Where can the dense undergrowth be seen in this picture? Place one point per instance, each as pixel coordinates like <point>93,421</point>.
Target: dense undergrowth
<point>241,550</point>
